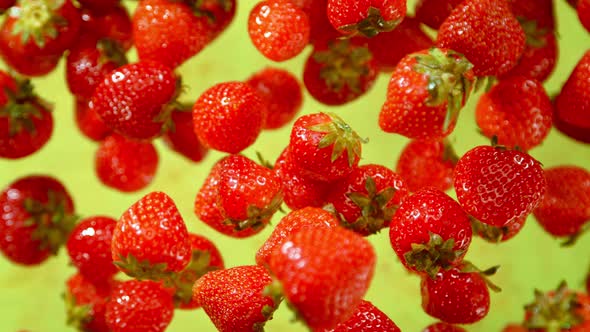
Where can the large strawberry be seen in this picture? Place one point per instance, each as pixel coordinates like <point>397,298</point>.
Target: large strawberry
<point>425,94</point>
<point>181,136</point>
<point>572,104</point>
<point>366,318</point>
<point>366,17</point>
<point>86,304</point>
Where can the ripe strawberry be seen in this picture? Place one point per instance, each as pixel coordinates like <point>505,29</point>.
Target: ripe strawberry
<point>583,9</point>
<point>323,297</point>
<point>367,199</point>
<point>112,23</point>
<point>517,111</point>
<point>495,234</point>
<point>408,38</point>
<point>578,133</point>
<point>89,248</point>
<point>487,33</point>
<point>572,105</point>
<point>339,71</point>
<point>430,231</point>
<point>88,121</point>
<point>539,11</point>
<point>150,240</point>
<point>443,327</point>
<point>229,116</point>
<point>234,299</point>
<point>135,110</point>
<point>324,147</point>
<point>281,92</point>
<point>514,328</point>
<point>434,12</point>
<point>366,318</point>
<point>496,185</point>
<point>440,80</point>
<point>124,164</point>
<point>308,217</point>
<point>565,208</point>
<point>182,138</point>
<point>86,304</point>
<point>366,17</point>
<point>138,306</point>
<point>37,217</point>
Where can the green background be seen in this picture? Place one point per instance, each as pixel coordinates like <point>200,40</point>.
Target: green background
<point>31,297</point>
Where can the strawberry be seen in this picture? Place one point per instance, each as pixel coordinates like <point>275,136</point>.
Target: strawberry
<point>495,234</point>
<point>37,217</point>
<point>281,92</point>
<point>487,33</point>
<point>517,111</point>
<point>430,231</point>
<point>366,17</point>
<point>580,134</point>
<point>182,138</point>
<point>308,217</point>
<point>151,240</point>
<point>443,327</point>
<point>565,208</point>
<point>88,121</point>
<point>539,11</point>
<point>278,29</point>
<point>427,163</point>
<point>138,111</point>
<point>219,14</point>
<point>434,12</point>
<point>229,116</point>
<point>339,71</point>
<point>366,318</point>
<point>324,147</point>
<point>425,94</point>
<point>6,4</point>
<point>571,105</point>
<point>323,297</point>
<point>408,38</point>
<point>367,199</point>
<point>86,304</point>
<point>89,248</point>
<point>496,185</point>
<point>321,30</point>
<point>583,9</point>
<point>124,164</point>
<point>138,306</point>
<point>112,23</point>
<point>234,299</point>
<point>26,123</point>
<point>514,328</point>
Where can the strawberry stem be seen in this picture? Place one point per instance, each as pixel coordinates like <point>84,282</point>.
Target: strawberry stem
<point>372,25</point>
<point>341,136</point>
<point>554,311</point>
<point>432,256</point>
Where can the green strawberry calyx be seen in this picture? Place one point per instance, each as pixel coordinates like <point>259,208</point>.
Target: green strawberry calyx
<point>258,217</point>
<point>468,267</point>
<point>22,106</point>
<point>184,280</point>
<point>37,19</point>
<point>554,311</point>
<point>430,257</point>
<point>488,232</point>
<point>165,115</point>
<point>372,25</point>
<point>111,51</point>
<point>77,315</point>
<point>375,212</point>
<point>535,35</point>
<point>274,291</point>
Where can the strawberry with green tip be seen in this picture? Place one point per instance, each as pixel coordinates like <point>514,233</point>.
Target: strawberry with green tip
<point>495,234</point>
<point>86,304</point>
<point>366,318</point>
<point>365,17</point>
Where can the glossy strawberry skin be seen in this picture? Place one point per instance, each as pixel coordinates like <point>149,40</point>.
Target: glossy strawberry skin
<point>426,163</point>
<point>112,23</point>
<point>443,327</point>
<point>229,117</point>
<point>182,138</point>
<point>367,318</point>
<point>434,12</point>
<point>89,122</point>
<point>496,186</point>
<point>537,61</point>
<point>324,297</point>
<point>233,298</point>
<point>572,105</point>
<point>132,109</point>
<point>139,306</point>
<point>81,292</point>
<point>124,164</point>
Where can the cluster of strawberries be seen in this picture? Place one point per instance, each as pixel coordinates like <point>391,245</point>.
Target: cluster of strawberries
<point>317,258</point>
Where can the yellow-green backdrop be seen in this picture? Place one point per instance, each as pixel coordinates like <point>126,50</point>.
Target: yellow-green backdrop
<point>31,297</point>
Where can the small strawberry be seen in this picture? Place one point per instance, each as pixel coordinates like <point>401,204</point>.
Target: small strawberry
<point>425,94</point>
<point>86,304</point>
<point>139,306</point>
<point>366,17</point>
<point>367,199</point>
<point>487,33</point>
<point>88,121</point>
<point>37,217</point>
<point>124,164</point>
<point>150,240</point>
<point>281,92</point>
<point>234,299</point>
<point>572,105</point>
<point>496,185</point>
<point>443,327</point>
<point>583,9</point>
<point>430,231</point>
<point>133,99</point>
<point>517,111</point>
<point>112,23</point>
<point>366,318</point>
<point>434,12</point>
<point>309,217</point>
<point>181,137</point>
<point>229,116</point>
<point>323,297</point>
<point>495,234</point>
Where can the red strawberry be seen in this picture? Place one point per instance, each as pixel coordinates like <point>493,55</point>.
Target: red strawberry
<point>309,217</point>
<point>580,134</point>
<point>514,328</point>
<point>150,240</point>
<point>133,99</point>
<point>496,185</point>
<point>366,17</point>
<point>430,231</point>
<point>323,297</point>
<point>324,147</point>
<point>124,164</point>
<point>540,11</point>
<point>425,94</point>
<point>88,121</point>
<point>112,23</point>
<point>229,116</point>
<point>572,105</point>
<point>234,299</point>
<point>366,318</point>
<point>427,163</point>
<point>434,12</point>
<point>565,208</point>
<point>443,327</point>
<point>517,111</point>
<point>139,306</point>
<point>583,9</point>
<point>99,5</point>
<point>487,33</point>
<point>6,4</point>
<point>408,38</point>
<point>37,217</point>
<point>321,30</point>
<point>86,304</point>
<point>89,248</point>
<point>339,71</point>
<point>281,92</point>
<point>368,198</point>
<point>495,234</point>
<point>182,138</point>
